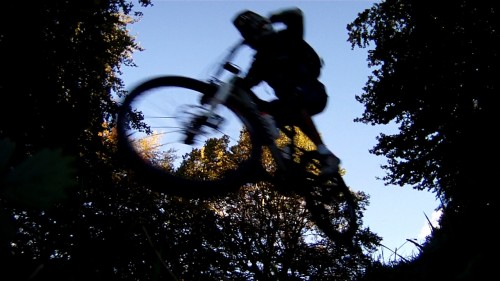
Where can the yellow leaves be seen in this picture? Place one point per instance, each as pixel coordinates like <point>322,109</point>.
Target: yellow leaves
<point>300,139</point>
<point>108,134</point>
<point>149,142</point>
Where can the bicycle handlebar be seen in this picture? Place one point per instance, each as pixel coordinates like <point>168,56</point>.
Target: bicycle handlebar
<point>227,60</point>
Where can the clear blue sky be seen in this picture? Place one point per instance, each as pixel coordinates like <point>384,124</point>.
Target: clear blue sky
<point>188,37</point>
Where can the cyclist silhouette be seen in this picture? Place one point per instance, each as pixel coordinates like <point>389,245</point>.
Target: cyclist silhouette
<point>291,67</point>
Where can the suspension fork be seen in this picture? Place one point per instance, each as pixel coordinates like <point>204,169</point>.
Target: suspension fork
<point>220,97</point>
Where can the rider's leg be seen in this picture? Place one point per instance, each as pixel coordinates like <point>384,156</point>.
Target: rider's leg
<point>330,162</point>
<point>312,100</point>
<point>287,113</point>
<point>309,128</point>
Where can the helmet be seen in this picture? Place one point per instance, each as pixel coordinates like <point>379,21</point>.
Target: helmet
<point>252,26</point>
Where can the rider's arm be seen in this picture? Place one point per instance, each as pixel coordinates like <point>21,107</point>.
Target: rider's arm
<point>254,75</point>
<point>253,78</point>
<point>292,18</point>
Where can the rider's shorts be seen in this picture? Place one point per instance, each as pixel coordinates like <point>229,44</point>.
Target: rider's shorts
<point>312,97</point>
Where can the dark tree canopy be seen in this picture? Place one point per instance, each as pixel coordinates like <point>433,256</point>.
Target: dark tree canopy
<point>435,76</point>
<point>60,69</point>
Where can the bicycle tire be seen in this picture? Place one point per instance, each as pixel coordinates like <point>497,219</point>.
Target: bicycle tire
<point>155,147</point>
<point>330,202</point>
<point>333,209</point>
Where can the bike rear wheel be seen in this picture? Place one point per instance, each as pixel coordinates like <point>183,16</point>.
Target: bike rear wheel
<point>165,135</point>
<point>330,202</point>
<point>333,208</point>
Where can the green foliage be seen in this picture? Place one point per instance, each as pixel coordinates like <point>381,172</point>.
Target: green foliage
<point>63,63</point>
<point>271,236</point>
<point>6,150</point>
<point>38,182</point>
<point>435,76</point>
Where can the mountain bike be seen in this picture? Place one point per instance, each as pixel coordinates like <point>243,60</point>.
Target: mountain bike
<point>182,146</point>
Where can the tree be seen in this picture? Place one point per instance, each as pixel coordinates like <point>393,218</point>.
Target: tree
<point>435,77</point>
<point>268,235</point>
<point>61,67</point>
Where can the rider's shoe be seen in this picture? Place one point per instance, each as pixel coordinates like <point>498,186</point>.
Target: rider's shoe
<point>329,162</point>
<point>330,165</point>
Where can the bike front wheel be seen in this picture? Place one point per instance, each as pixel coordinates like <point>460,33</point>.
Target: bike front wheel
<point>170,140</point>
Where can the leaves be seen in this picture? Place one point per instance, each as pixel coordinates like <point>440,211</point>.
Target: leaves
<point>6,150</point>
<point>434,77</point>
<point>38,182</point>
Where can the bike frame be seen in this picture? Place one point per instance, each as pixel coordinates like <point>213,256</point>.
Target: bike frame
<point>228,89</point>
<point>298,175</point>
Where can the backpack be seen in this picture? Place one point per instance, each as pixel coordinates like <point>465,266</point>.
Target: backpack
<point>311,59</point>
